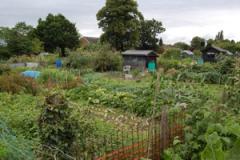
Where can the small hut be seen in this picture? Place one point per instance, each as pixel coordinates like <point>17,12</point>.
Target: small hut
<point>212,53</point>
<point>140,59</point>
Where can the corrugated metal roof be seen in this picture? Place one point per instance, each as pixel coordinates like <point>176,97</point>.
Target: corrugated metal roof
<point>138,52</point>
<point>222,50</point>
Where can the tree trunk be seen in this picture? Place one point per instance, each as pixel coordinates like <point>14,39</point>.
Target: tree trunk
<point>63,52</point>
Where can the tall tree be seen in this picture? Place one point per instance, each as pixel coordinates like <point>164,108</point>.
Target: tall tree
<point>19,39</point>
<point>57,31</point>
<point>120,22</point>
<point>197,43</point>
<point>220,36</point>
<point>150,30</point>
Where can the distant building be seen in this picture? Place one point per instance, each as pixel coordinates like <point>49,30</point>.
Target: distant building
<point>85,41</point>
<point>212,53</point>
<point>140,59</point>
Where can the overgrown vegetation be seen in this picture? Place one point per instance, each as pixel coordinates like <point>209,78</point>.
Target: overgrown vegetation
<point>65,112</point>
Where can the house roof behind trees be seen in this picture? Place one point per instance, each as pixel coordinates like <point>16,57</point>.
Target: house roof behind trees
<point>139,53</point>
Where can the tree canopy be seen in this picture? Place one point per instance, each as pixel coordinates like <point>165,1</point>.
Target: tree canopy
<point>57,31</point>
<point>197,43</point>
<point>120,22</point>
<point>150,29</point>
<point>20,40</point>
<point>220,36</point>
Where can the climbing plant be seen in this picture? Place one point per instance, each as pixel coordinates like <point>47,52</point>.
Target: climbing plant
<point>57,128</point>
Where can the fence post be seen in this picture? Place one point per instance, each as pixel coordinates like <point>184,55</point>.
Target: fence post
<point>164,130</point>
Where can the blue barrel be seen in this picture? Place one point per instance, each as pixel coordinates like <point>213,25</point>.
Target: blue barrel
<point>58,63</point>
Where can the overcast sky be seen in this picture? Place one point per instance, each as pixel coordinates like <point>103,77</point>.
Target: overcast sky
<point>183,19</point>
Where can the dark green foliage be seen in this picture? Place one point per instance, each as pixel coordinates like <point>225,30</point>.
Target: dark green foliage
<point>108,61</point>
<point>120,22</point>
<point>56,128</point>
<point>20,40</point>
<point>197,43</point>
<point>227,66</point>
<point>80,60</point>
<point>220,36</point>
<point>4,53</point>
<point>57,31</point>
<point>150,30</point>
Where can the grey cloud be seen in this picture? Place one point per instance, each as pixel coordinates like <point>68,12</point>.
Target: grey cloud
<point>182,18</point>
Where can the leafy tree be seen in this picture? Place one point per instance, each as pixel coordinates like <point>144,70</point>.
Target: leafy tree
<point>57,31</point>
<point>198,43</point>
<point>4,52</point>
<point>120,22</point>
<point>220,36</point>
<point>150,29</point>
<point>182,45</point>
<point>37,45</point>
<point>18,39</point>
<point>4,32</point>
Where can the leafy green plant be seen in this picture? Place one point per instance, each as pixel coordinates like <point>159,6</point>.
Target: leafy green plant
<point>56,127</point>
<point>80,60</point>
<point>12,147</point>
<point>172,53</point>
<point>107,60</point>
<point>4,68</point>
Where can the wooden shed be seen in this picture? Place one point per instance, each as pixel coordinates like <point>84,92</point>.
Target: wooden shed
<point>140,59</point>
<point>213,53</point>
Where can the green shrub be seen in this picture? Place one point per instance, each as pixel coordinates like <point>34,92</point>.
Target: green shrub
<point>227,66</point>
<point>212,78</point>
<point>206,67</point>
<point>107,60</point>
<point>80,61</point>
<point>4,68</point>
<point>172,53</point>
<point>20,113</point>
<point>57,128</point>
<point>4,53</point>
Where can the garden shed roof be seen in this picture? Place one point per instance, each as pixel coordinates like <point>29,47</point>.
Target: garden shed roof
<point>139,52</point>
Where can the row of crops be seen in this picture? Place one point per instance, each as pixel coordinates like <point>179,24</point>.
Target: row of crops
<point>210,95</point>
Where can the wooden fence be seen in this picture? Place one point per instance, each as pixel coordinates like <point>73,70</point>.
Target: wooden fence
<point>148,142</point>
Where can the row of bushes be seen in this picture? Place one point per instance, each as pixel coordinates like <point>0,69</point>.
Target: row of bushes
<point>101,60</point>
